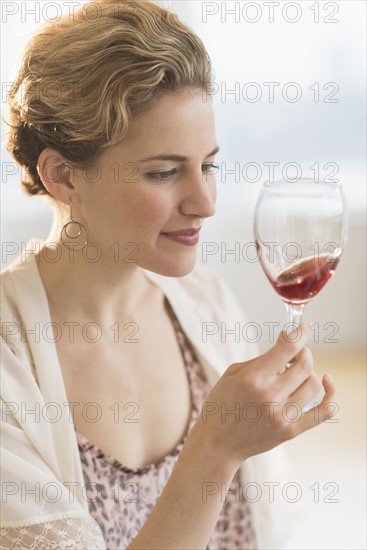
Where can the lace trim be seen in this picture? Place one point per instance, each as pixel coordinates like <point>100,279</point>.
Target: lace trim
<point>81,533</point>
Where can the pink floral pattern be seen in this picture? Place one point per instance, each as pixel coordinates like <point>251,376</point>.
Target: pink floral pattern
<point>121,499</point>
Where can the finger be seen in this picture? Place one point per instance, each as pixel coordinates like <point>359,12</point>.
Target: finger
<point>307,392</point>
<point>291,379</point>
<point>327,408</point>
<point>286,348</point>
<point>300,356</point>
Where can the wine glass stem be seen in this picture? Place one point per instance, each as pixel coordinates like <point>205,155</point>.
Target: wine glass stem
<point>294,312</point>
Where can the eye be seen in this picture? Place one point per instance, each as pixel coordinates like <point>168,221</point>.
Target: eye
<point>161,176</point>
<point>210,168</point>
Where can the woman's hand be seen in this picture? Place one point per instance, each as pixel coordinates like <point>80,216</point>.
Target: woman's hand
<point>256,405</point>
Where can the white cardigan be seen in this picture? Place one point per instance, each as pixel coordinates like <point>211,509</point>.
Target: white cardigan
<point>42,477</point>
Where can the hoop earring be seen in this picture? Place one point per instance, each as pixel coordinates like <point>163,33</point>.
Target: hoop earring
<point>73,230</point>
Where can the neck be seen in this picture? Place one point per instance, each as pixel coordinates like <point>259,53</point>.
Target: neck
<point>96,285</point>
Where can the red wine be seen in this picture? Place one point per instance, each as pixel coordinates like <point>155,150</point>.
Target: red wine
<point>304,279</point>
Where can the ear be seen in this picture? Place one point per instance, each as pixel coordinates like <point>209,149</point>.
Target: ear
<point>56,175</point>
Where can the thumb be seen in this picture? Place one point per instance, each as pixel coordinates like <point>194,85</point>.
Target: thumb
<point>300,332</point>
<point>290,343</point>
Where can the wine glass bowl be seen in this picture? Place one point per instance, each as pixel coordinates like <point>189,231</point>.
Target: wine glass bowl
<point>300,232</point>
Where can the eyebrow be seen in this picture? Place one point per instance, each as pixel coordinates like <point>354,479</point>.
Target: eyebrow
<point>177,158</point>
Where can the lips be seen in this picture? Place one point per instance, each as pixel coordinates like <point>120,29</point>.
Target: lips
<point>186,237</point>
<point>191,232</point>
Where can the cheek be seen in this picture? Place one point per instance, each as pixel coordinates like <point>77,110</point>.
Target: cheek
<point>120,201</point>
<point>155,209</point>
<point>141,207</point>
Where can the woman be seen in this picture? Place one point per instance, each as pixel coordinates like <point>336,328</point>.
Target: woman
<point>118,430</point>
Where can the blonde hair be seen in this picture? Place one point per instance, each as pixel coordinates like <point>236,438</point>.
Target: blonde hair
<point>83,77</point>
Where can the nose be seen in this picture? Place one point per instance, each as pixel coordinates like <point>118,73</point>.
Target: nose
<point>199,195</point>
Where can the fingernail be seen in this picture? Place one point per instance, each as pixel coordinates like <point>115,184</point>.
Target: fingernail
<point>329,378</point>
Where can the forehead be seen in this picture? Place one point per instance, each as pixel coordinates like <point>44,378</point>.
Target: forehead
<point>178,121</point>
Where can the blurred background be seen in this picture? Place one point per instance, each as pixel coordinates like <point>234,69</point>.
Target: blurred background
<point>290,100</point>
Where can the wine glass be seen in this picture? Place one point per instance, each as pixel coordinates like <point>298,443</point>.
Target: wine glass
<point>300,232</point>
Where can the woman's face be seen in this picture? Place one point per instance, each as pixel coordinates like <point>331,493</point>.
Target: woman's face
<point>158,179</point>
